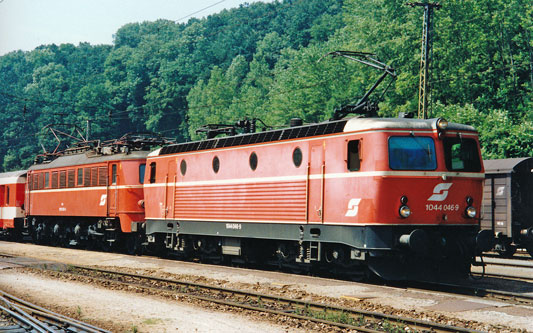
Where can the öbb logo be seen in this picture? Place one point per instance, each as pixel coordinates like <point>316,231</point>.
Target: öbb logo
<point>353,207</point>
<point>440,192</point>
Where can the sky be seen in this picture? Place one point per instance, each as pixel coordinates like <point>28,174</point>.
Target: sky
<point>26,24</point>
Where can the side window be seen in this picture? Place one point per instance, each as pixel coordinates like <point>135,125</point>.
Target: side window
<point>47,180</point>
<point>253,161</point>
<point>353,160</point>
<point>183,167</point>
<point>7,195</point>
<point>216,164</point>
<point>94,176</point>
<point>142,168</point>
<point>113,174</point>
<point>86,177</point>
<point>152,172</point>
<point>297,157</point>
<point>102,176</point>
<point>80,177</point>
<point>41,181</point>
<point>63,179</point>
<point>70,178</point>
<point>54,180</point>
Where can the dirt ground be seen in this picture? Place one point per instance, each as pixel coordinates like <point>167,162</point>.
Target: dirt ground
<point>126,311</point>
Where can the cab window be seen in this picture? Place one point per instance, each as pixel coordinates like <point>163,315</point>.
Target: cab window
<point>412,153</point>
<point>142,168</point>
<point>354,161</point>
<point>152,172</point>
<point>461,155</point>
<point>113,174</point>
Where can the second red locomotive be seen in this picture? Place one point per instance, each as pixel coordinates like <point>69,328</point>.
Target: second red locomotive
<point>89,195</point>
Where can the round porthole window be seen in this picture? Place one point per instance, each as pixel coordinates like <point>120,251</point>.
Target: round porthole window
<point>216,164</point>
<point>253,161</point>
<point>183,167</point>
<point>297,157</point>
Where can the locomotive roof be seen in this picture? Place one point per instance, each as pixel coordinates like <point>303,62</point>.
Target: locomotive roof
<point>506,165</point>
<point>11,177</point>
<point>365,124</point>
<point>328,127</point>
<point>86,158</point>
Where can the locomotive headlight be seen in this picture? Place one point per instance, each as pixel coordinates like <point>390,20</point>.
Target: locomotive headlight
<point>405,211</point>
<point>471,212</point>
<point>442,124</point>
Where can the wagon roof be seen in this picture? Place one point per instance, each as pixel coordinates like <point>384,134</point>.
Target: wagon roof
<point>85,158</point>
<point>505,165</point>
<point>11,177</point>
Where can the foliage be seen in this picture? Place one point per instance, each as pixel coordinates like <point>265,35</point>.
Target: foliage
<point>266,61</point>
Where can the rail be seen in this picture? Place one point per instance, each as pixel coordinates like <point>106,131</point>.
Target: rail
<point>342,317</point>
<point>30,317</point>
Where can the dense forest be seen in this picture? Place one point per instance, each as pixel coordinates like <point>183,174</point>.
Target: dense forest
<point>265,61</point>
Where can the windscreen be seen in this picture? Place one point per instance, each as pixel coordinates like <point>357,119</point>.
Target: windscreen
<point>412,153</point>
<point>461,154</point>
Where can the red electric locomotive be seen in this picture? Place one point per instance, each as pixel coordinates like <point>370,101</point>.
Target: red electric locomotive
<point>398,196</point>
<point>89,195</point>
<point>12,202</point>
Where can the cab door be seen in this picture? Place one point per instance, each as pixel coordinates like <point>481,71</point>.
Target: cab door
<point>170,189</point>
<point>317,169</point>
<point>112,190</point>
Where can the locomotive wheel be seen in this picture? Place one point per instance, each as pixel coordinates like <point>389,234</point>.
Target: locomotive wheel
<point>133,244</point>
<point>15,235</point>
<point>91,244</point>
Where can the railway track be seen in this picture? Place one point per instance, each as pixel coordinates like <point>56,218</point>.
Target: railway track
<point>517,269</point>
<point>21,316</point>
<point>485,293</point>
<point>504,276</point>
<point>346,318</point>
<point>335,316</point>
<point>519,255</point>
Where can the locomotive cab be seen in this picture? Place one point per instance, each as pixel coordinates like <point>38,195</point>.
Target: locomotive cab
<point>419,211</point>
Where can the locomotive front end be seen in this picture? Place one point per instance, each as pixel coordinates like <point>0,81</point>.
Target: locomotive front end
<point>427,198</point>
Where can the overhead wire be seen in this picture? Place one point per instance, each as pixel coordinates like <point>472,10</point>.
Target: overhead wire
<point>199,11</point>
